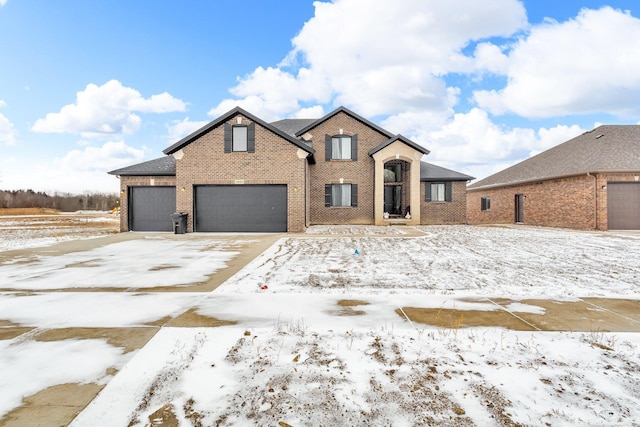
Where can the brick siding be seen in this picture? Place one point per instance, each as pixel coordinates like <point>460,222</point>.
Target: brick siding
<point>275,161</point>
<point>138,181</point>
<point>453,212</point>
<point>567,203</point>
<point>352,172</point>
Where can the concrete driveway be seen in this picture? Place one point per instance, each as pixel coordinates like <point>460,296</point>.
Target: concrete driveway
<point>59,404</point>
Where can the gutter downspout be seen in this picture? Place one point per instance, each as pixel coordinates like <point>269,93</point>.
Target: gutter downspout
<point>595,200</point>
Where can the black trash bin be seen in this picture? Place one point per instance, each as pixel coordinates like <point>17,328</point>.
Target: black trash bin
<point>179,222</point>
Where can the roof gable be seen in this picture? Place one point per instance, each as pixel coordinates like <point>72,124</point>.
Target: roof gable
<point>607,148</point>
<point>349,113</point>
<point>227,116</point>
<point>402,139</point>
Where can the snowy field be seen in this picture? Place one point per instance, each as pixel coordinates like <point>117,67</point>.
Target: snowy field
<point>30,231</point>
<point>316,331</point>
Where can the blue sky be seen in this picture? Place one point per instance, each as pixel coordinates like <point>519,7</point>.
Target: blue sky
<point>87,87</point>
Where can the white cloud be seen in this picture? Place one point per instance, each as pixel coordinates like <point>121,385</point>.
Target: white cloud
<point>3,2</point>
<point>108,156</point>
<point>379,60</point>
<point>314,112</point>
<point>178,129</point>
<point>471,141</point>
<point>106,110</point>
<point>8,131</point>
<point>78,171</point>
<point>589,64</point>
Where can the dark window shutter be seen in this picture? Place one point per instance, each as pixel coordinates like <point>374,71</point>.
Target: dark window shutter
<point>251,138</point>
<point>227,138</point>
<point>447,191</point>
<point>354,147</point>
<point>327,195</point>
<point>354,195</point>
<point>327,147</point>
<point>427,191</point>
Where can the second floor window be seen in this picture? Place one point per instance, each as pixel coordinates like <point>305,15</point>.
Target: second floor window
<point>239,138</point>
<point>341,147</point>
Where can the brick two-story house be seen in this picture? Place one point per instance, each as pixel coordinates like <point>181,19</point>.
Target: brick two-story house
<point>240,173</point>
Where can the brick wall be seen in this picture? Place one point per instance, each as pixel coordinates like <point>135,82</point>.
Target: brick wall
<point>453,212</point>
<point>133,181</point>
<point>567,203</point>
<point>360,172</point>
<point>275,161</point>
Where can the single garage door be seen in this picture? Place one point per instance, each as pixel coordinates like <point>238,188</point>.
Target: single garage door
<point>150,208</point>
<point>261,208</point>
<point>623,205</point>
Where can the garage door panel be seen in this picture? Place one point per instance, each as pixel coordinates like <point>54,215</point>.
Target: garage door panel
<point>150,208</point>
<point>241,208</point>
<point>623,205</point>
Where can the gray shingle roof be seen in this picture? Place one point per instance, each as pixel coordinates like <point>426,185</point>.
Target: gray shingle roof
<point>292,126</point>
<point>431,172</point>
<point>607,148</point>
<point>164,166</point>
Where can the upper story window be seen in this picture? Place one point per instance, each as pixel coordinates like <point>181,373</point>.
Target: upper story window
<point>239,138</point>
<point>393,172</point>
<point>341,147</point>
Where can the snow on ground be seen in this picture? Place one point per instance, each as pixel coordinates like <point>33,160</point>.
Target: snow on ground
<point>31,366</point>
<point>150,262</point>
<point>31,231</point>
<point>452,260</point>
<point>299,377</point>
<point>93,309</point>
<point>296,357</point>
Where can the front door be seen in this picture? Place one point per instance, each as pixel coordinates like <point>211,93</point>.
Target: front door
<point>393,199</point>
<point>519,208</point>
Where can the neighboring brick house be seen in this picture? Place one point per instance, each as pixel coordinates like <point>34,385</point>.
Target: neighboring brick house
<point>589,182</point>
<point>239,173</point>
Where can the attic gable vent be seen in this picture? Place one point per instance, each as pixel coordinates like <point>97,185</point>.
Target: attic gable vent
<point>599,136</point>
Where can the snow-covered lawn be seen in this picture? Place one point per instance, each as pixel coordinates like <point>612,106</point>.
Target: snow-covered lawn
<point>30,231</point>
<point>317,334</point>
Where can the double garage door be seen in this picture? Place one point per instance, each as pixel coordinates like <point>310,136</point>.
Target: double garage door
<point>218,208</point>
<point>244,208</point>
<point>623,205</point>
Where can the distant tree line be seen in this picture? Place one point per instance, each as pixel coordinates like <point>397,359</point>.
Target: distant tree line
<point>65,202</point>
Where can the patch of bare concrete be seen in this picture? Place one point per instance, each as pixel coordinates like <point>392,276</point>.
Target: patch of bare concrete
<point>588,315</point>
<point>127,338</point>
<point>54,406</point>
<point>192,319</point>
<point>10,332</point>
<point>346,308</point>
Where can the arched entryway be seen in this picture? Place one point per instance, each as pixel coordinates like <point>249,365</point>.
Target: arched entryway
<point>397,188</point>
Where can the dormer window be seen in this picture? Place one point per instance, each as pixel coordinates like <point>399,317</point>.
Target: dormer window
<point>341,147</point>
